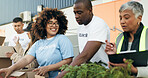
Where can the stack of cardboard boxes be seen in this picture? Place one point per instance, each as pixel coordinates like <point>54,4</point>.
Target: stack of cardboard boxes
<point>6,62</point>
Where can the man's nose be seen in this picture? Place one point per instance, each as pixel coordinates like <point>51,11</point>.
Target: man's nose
<point>76,16</point>
<point>17,27</point>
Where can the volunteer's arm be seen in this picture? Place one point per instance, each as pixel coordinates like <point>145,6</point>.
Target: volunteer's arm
<point>20,64</point>
<point>44,69</point>
<point>88,52</point>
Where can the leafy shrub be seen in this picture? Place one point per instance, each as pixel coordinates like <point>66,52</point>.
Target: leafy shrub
<point>96,70</point>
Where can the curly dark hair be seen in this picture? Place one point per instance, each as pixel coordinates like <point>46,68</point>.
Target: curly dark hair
<point>39,27</point>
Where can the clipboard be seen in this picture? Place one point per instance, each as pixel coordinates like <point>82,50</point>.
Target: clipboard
<point>140,58</point>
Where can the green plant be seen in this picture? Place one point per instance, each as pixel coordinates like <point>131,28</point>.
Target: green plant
<point>96,70</point>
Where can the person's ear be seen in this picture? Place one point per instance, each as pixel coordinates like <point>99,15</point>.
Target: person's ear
<point>90,10</point>
<point>139,18</point>
<point>23,24</point>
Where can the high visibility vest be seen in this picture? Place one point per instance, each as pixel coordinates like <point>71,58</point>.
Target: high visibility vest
<point>143,45</point>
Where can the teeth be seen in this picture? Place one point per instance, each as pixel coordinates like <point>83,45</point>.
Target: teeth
<point>53,29</point>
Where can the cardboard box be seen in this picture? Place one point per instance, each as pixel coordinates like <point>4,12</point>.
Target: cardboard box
<point>38,76</point>
<point>5,49</point>
<point>26,73</point>
<point>4,60</point>
<point>18,74</point>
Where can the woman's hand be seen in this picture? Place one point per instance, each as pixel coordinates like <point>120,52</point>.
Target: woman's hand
<point>7,71</point>
<point>41,71</point>
<point>133,69</point>
<point>110,48</point>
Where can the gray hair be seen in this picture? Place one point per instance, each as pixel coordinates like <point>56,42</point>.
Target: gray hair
<point>136,8</point>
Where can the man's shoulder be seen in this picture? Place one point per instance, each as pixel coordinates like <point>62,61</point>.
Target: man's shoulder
<point>98,22</point>
<point>96,18</point>
<point>12,36</point>
<point>24,33</point>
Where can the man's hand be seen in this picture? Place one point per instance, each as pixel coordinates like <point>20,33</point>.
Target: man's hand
<point>9,54</point>
<point>62,74</point>
<point>16,40</point>
<point>110,48</point>
<point>41,71</point>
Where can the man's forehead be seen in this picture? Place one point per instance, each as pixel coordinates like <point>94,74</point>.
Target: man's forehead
<point>17,23</point>
<point>79,7</point>
<point>80,4</point>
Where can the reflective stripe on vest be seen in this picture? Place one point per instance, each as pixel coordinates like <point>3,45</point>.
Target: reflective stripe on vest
<point>119,42</point>
<point>143,40</point>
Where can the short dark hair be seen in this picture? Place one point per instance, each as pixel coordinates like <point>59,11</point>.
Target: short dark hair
<point>87,3</point>
<point>39,27</point>
<point>17,19</point>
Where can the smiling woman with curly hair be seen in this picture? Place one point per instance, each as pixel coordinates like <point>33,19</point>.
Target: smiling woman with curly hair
<point>53,49</point>
<point>43,20</point>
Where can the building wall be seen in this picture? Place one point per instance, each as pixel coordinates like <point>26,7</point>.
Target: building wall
<point>109,12</point>
<point>145,15</point>
<point>11,8</point>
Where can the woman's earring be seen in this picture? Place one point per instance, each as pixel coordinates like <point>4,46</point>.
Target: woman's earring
<point>138,23</point>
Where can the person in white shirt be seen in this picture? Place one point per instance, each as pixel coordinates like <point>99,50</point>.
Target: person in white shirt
<point>92,33</point>
<point>96,31</point>
<point>21,36</point>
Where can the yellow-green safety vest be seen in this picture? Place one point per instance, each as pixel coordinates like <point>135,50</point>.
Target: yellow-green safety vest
<point>143,40</point>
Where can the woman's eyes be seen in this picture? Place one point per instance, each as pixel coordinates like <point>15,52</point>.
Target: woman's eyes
<point>126,17</point>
